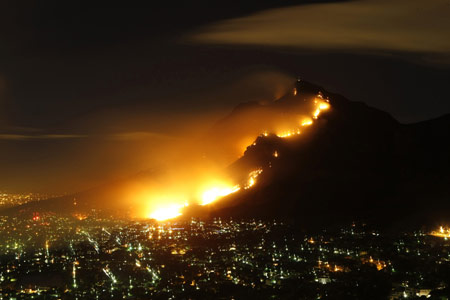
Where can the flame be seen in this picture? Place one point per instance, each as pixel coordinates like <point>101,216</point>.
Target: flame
<point>166,212</point>
<point>306,122</point>
<point>168,207</point>
<point>324,106</point>
<point>215,193</point>
<point>319,105</point>
<point>442,232</point>
<point>252,178</point>
<point>289,133</point>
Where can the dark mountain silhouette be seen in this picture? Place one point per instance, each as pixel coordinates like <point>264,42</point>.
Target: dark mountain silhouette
<point>354,163</point>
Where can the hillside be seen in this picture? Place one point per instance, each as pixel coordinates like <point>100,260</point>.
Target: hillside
<point>354,162</point>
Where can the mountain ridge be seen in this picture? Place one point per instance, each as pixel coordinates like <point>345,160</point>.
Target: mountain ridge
<point>355,162</point>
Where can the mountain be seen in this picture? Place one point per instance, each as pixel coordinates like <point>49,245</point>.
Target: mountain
<point>354,162</point>
<point>357,162</point>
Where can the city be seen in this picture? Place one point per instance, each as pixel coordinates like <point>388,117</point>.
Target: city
<point>14,199</point>
<point>219,150</point>
<point>93,257</point>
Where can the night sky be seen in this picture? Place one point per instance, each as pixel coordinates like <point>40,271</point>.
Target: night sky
<point>89,94</point>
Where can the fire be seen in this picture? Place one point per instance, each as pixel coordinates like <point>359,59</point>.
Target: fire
<point>252,178</point>
<point>289,133</point>
<point>306,122</point>
<point>215,193</point>
<point>320,105</point>
<point>324,106</point>
<point>169,206</point>
<point>166,212</point>
<point>221,190</point>
<point>443,232</point>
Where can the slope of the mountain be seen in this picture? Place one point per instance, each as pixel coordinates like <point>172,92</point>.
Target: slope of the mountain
<point>354,162</point>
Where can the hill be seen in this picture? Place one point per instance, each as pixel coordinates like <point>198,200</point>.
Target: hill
<point>354,162</point>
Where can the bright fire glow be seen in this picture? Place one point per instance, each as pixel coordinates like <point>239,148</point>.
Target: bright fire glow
<point>320,105</point>
<point>442,232</point>
<point>252,178</point>
<point>167,212</point>
<point>324,106</point>
<point>307,122</point>
<point>171,206</point>
<point>288,133</point>
<point>215,193</point>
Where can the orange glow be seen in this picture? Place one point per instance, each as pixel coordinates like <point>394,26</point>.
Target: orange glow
<point>252,178</point>
<point>307,122</point>
<point>166,212</point>
<point>80,217</point>
<point>329,268</point>
<point>320,105</point>
<point>379,264</point>
<point>246,142</point>
<point>215,193</point>
<point>316,113</point>
<point>442,232</point>
<point>289,133</point>
<point>338,269</point>
<point>205,183</point>
<point>324,106</point>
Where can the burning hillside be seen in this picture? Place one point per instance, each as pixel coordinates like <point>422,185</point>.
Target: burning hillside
<point>309,156</point>
<point>273,119</point>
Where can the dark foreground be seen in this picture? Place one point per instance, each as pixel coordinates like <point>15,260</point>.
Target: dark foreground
<point>87,257</point>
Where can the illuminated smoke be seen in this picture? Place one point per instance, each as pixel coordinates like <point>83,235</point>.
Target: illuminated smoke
<point>204,185</point>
